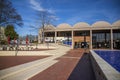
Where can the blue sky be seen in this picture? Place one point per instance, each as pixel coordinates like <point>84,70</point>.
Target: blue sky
<point>66,11</point>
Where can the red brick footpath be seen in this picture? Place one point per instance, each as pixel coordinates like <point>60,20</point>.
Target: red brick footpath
<point>10,61</point>
<point>62,69</point>
<point>59,71</point>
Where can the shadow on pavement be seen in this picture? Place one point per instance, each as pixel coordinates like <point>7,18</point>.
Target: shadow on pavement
<point>83,70</point>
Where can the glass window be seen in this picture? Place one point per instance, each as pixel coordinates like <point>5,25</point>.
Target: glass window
<point>82,33</point>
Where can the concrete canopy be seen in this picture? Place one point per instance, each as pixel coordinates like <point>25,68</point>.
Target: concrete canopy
<point>81,25</point>
<point>116,24</point>
<point>64,26</point>
<point>49,27</point>
<point>101,24</point>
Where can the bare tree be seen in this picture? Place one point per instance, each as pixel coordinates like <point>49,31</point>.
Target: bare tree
<point>44,18</point>
<point>8,14</point>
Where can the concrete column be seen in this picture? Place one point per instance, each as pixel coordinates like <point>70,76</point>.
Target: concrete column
<point>72,32</point>
<point>38,37</point>
<point>111,31</point>
<point>90,39</point>
<point>55,36</point>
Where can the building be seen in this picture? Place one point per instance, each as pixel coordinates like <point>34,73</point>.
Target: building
<point>2,33</point>
<point>100,34</point>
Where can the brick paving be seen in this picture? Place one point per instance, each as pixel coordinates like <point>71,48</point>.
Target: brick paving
<point>67,68</point>
<point>74,53</point>
<point>10,61</point>
<point>62,69</point>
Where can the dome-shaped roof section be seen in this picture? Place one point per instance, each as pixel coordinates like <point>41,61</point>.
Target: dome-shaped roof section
<point>117,23</point>
<point>101,24</point>
<point>64,26</point>
<point>49,27</point>
<point>81,24</point>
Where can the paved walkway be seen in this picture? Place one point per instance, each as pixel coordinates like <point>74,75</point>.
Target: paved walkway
<point>10,61</point>
<point>59,66</point>
<point>16,72</point>
<point>62,69</point>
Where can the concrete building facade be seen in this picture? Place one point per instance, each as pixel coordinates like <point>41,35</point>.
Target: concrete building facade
<point>100,34</point>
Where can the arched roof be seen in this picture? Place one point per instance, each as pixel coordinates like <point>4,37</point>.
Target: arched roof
<point>49,27</point>
<point>117,23</point>
<point>64,26</point>
<point>81,25</point>
<point>101,24</point>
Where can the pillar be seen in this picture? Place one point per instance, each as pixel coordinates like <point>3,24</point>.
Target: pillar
<point>111,31</point>
<point>90,39</point>
<point>55,36</point>
<point>72,39</point>
<point>38,37</point>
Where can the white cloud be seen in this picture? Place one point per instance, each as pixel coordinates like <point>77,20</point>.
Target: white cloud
<point>51,11</point>
<point>54,17</point>
<point>37,6</point>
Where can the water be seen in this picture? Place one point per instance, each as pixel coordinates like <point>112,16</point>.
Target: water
<point>112,57</point>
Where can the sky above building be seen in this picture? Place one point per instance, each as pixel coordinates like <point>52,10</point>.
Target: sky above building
<point>66,11</point>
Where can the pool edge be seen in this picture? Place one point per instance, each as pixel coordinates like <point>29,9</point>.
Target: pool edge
<point>103,71</point>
